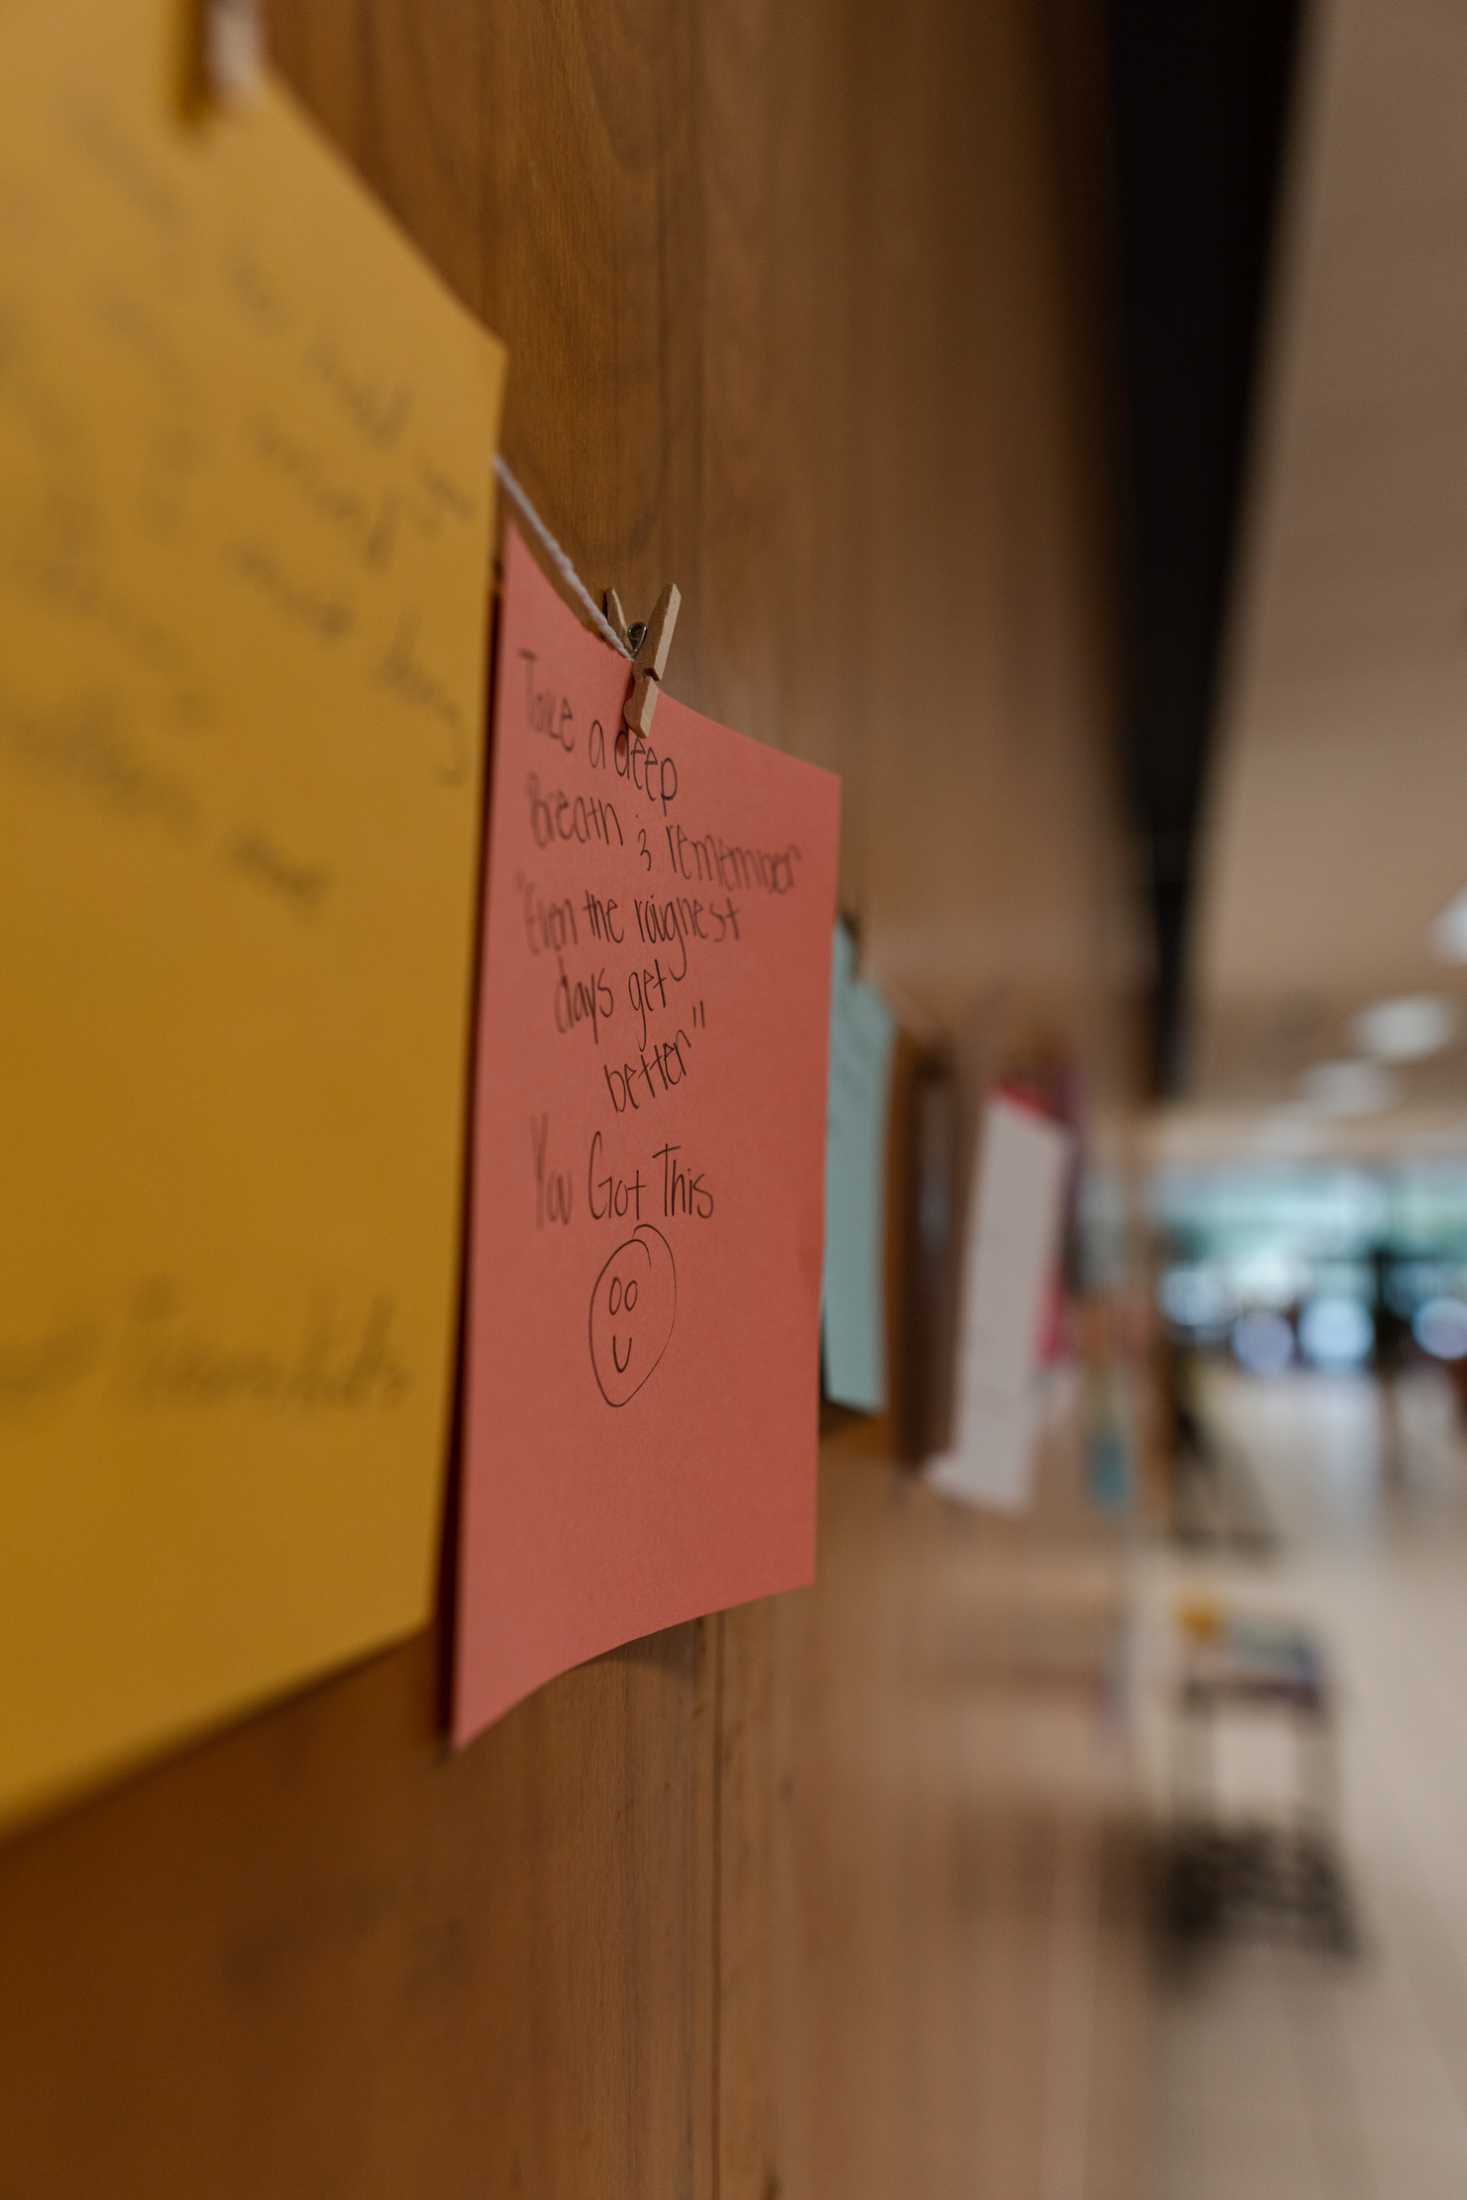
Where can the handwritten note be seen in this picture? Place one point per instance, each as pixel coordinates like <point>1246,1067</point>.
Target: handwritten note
<point>245,450</point>
<point>854,1331</point>
<point>644,1290</point>
<point>1012,1241</point>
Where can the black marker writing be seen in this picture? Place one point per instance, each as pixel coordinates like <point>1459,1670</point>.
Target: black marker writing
<point>550,926</point>
<point>709,859</point>
<point>552,1186</point>
<point>558,816</point>
<point>583,1000</point>
<point>650,1076</point>
<point>647,992</point>
<point>602,917</point>
<point>683,1189</point>
<point>633,1314</point>
<point>651,774</point>
<point>546,712</point>
<point>404,672</point>
<point>609,1194</point>
<point>678,918</point>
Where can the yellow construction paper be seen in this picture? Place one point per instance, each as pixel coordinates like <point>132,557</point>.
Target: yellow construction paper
<point>246,443</point>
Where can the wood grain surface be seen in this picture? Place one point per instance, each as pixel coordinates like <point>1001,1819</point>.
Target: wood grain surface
<point>831,1897</point>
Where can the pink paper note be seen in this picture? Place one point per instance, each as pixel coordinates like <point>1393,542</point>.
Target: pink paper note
<point>645,1236</point>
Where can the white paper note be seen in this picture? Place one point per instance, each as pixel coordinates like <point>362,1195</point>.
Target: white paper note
<point>1013,1234</point>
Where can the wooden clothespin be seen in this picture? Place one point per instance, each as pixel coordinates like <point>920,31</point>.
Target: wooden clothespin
<point>647,645</point>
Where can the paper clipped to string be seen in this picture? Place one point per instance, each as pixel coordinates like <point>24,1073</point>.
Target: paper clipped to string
<point>645,1244</point>
<point>245,443</point>
<point>1012,1243</point>
<point>854,1295</point>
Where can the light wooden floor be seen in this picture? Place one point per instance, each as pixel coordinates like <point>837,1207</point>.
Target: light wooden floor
<point>1285,2074</point>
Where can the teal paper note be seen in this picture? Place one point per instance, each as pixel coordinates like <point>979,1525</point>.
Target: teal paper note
<point>861,1034</point>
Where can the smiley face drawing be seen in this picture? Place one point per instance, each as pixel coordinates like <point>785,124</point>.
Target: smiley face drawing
<point>633,1308</point>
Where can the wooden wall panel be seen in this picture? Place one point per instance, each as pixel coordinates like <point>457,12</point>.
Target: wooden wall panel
<point>833,1895</point>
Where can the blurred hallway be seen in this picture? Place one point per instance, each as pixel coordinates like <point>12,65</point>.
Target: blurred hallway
<point>1288,2073</point>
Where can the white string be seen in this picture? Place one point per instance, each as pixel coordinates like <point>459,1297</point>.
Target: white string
<point>559,560</point>
<point>518,496</point>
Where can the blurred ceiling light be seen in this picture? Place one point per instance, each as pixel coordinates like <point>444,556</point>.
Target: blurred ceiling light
<point>1448,933</point>
<point>1291,1128</point>
<point>1406,1030</point>
<point>1336,1332</point>
<point>1440,1328</point>
<point>1350,1088</point>
<point>1268,1276</point>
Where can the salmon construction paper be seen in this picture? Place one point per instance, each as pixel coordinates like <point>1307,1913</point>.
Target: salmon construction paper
<point>648,1166</point>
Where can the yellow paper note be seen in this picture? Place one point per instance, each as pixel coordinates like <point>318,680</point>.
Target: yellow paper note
<point>246,443</point>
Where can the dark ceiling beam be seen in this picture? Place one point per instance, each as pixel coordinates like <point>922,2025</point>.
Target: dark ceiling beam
<point>1201,97</point>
